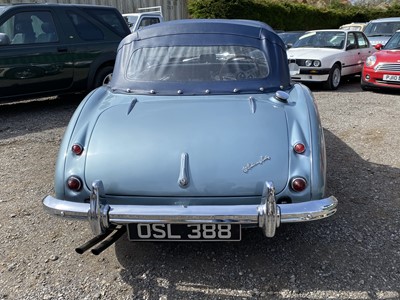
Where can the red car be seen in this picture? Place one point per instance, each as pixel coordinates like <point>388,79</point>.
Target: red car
<point>382,69</point>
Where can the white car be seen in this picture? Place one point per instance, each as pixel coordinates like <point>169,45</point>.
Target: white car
<point>144,17</point>
<point>357,26</point>
<point>327,55</point>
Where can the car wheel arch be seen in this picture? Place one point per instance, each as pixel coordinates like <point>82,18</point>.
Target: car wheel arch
<point>101,75</point>
<point>101,62</point>
<point>93,77</point>
<point>333,83</point>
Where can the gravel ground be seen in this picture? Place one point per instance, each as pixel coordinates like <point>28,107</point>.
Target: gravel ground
<point>352,255</point>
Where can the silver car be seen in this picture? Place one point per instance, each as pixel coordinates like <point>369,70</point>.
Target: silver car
<point>379,31</point>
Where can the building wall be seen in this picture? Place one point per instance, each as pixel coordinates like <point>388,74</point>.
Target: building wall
<point>172,9</point>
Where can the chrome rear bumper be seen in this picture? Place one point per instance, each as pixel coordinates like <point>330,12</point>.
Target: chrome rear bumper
<point>268,215</point>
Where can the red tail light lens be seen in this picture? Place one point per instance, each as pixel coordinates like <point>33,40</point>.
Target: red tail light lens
<point>74,183</point>
<point>298,184</point>
<point>77,149</point>
<point>299,148</point>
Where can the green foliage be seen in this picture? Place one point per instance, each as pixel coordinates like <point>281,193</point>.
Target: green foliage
<point>288,15</point>
<point>213,9</point>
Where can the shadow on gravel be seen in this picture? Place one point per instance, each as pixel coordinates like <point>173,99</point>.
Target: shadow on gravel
<point>27,116</point>
<point>385,92</point>
<point>352,255</point>
<point>351,85</point>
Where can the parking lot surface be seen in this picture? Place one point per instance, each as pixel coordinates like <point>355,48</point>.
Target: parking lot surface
<point>353,255</point>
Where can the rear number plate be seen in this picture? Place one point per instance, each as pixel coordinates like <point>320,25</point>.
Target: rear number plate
<point>184,232</point>
<point>391,77</point>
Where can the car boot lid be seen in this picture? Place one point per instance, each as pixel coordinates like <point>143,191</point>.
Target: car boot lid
<point>175,148</point>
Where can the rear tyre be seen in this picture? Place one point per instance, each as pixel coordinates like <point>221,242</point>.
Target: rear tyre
<point>334,78</point>
<point>103,76</point>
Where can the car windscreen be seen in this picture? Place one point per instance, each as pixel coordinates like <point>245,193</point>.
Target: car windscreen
<point>197,63</point>
<point>290,37</point>
<point>131,21</point>
<point>381,28</point>
<point>393,43</point>
<point>321,39</point>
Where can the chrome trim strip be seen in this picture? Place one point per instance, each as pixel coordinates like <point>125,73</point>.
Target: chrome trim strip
<point>183,179</point>
<point>267,215</point>
<point>395,67</point>
<point>252,102</point>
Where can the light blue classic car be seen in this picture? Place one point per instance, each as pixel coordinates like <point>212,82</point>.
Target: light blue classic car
<point>200,133</point>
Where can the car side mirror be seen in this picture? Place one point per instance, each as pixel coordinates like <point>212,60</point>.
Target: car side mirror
<point>378,46</point>
<point>289,45</point>
<point>4,39</point>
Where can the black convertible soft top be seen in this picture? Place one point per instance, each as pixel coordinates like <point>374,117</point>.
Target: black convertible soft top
<point>248,28</point>
<point>207,32</point>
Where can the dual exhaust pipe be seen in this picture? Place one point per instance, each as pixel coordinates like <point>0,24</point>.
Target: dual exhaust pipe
<point>102,241</point>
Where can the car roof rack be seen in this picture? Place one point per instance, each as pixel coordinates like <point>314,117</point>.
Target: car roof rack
<point>150,9</point>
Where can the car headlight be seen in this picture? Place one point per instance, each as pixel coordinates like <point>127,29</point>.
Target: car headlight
<point>370,61</point>
<point>316,63</point>
<point>312,63</point>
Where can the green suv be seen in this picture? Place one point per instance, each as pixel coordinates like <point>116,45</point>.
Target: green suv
<point>53,49</point>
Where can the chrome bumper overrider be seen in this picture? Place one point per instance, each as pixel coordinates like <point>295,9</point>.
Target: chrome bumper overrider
<point>268,214</point>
